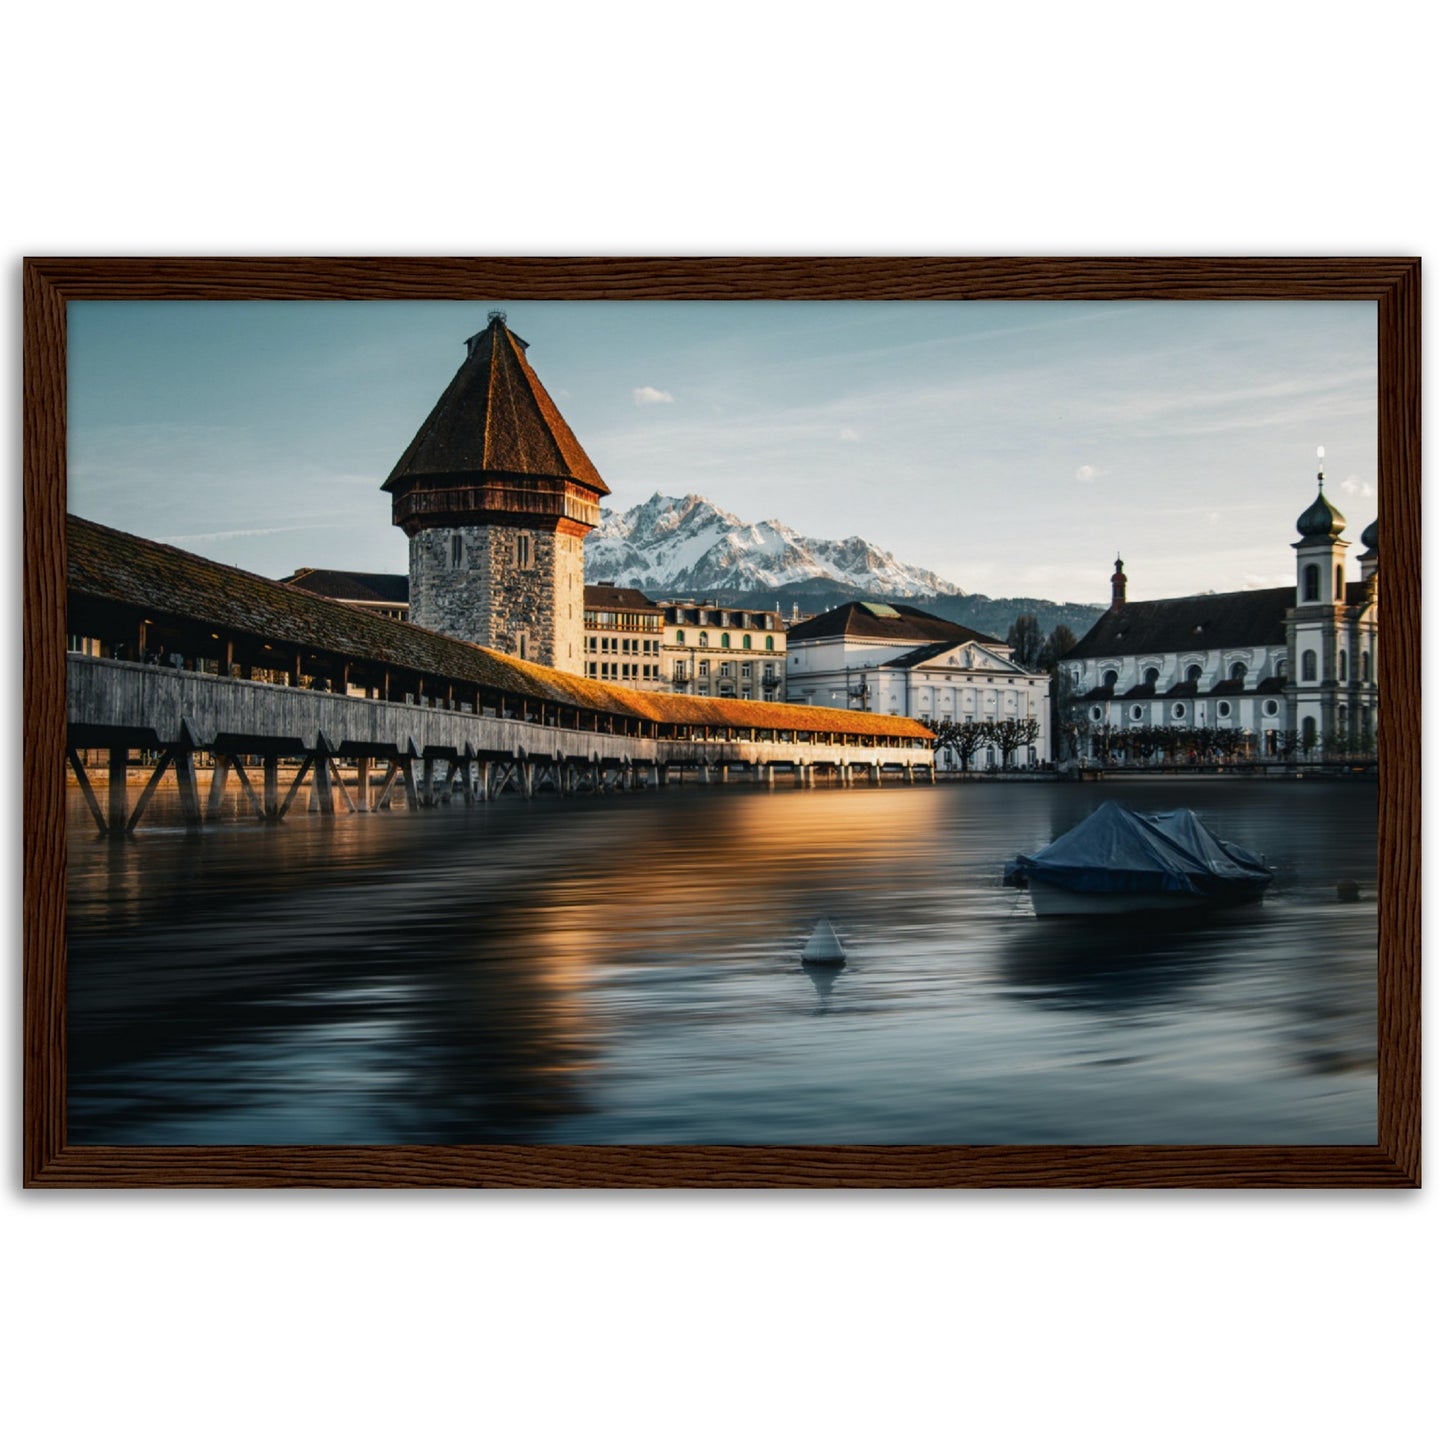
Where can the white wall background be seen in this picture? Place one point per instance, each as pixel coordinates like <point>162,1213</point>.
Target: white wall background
<point>451,129</point>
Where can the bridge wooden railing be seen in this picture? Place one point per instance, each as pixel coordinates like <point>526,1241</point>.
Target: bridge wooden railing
<point>118,706</point>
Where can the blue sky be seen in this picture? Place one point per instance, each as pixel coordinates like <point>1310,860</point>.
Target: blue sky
<point>1011,447</point>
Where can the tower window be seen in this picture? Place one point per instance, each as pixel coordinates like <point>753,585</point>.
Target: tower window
<point>1339,584</point>
<point>456,549</point>
<point>1312,583</point>
<point>1308,666</point>
<point>1151,676</point>
<point>524,550</point>
<point>1238,672</point>
<point>1194,673</point>
<point>1344,665</point>
<point>1365,666</point>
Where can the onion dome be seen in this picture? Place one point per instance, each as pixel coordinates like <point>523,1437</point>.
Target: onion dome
<point>1369,538</point>
<point>1320,522</point>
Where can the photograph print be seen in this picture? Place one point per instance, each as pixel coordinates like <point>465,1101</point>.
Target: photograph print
<point>722,723</point>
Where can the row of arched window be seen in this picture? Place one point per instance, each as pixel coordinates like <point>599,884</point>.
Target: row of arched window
<point>724,641</point>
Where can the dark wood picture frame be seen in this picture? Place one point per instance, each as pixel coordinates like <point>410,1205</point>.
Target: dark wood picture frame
<point>1393,283</point>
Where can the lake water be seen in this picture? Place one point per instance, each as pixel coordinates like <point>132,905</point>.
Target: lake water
<point>625,969</point>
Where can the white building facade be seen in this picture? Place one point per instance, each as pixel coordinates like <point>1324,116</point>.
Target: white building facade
<point>900,661</point>
<point>1264,667</point>
<point>709,650</point>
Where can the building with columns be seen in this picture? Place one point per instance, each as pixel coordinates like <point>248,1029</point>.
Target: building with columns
<point>496,497</point>
<point>1261,663</point>
<point>899,660</point>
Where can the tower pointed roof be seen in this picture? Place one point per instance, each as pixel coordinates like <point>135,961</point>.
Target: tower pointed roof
<point>1320,522</point>
<point>495,420</point>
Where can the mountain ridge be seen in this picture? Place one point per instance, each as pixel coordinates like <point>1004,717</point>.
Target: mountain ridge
<point>690,547</point>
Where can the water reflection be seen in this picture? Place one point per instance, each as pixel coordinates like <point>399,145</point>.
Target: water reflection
<point>823,976</point>
<point>1121,963</point>
<point>626,969</point>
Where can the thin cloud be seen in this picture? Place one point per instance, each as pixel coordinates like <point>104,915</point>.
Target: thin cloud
<point>1356,488</point>
<point>650,396</point>
<point>1087,473</point>
<point>848,435</point>
<point>176,541</point>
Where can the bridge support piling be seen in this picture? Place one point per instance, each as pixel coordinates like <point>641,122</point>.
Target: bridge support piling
<point>186,783</point>
<point>271,785</point>
<point>383,798</point>
<point>78,767</point>
<point>118,813</point>
<point>246,788</point>
<point>340,782</point>
<point>408,780</point>
<point>220,773</point>
<point>295,787</point>
<point>321,799</point>
<point>157,773</point>
<point>363,785</point>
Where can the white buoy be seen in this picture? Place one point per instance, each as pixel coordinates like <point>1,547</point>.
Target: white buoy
<point>823,946</point>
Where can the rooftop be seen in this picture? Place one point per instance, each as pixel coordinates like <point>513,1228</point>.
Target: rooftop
<point>392,588</point>
<point>495,419</point>
<point>111,569</point>
<point>1189,624</point>
<point>886,622</point>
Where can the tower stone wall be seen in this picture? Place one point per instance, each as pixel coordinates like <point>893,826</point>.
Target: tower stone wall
<point>515,589</point>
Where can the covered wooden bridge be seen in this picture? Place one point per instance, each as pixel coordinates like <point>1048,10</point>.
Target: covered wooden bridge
<point>174,656</point>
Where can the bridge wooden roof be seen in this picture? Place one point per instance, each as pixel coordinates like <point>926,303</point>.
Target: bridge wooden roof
<point>110,567</point>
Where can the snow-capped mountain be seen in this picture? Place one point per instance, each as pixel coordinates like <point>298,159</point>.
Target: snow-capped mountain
<point>687,546</point>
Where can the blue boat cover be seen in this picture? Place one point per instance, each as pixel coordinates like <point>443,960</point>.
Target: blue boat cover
<point>1117,851</point>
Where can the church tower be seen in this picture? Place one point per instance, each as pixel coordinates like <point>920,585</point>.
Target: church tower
<point>1317,625</point>
<point>496,497</point>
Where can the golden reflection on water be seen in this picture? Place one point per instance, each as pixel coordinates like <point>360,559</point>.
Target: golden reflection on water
<point>626,969</point>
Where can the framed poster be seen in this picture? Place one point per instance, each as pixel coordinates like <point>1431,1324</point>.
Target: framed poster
<point>579,975</point>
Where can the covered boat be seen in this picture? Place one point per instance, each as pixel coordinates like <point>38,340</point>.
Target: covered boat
<point>1118,861</point>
